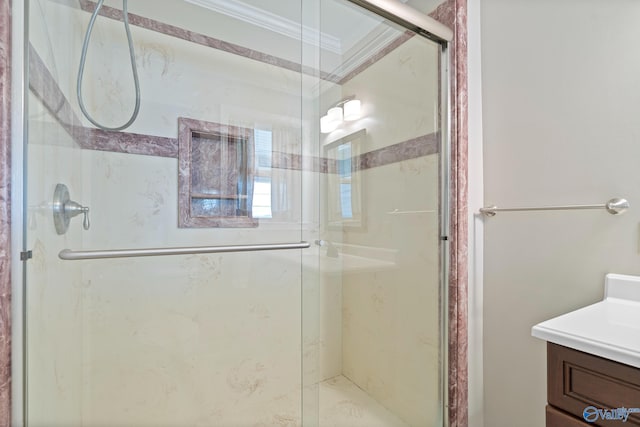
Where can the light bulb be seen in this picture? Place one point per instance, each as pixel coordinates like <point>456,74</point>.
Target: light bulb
<point>327,125</point>
<point>335,115</point>
<point>352,110</point>
<point>330,121</point>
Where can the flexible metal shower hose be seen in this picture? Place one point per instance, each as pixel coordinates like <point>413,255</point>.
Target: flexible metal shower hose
<point>132,55</point>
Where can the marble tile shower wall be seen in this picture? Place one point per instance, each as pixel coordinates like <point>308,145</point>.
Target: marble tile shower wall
<point>195,340</point>
<point>6,293</point>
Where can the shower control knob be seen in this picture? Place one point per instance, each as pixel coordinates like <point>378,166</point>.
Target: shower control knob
<point>72,209</point>
<point>64,209</point>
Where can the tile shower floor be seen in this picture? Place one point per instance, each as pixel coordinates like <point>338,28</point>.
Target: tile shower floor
<point>344,404</point>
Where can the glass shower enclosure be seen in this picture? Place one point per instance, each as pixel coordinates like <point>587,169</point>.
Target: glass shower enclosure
<point>265,243</point>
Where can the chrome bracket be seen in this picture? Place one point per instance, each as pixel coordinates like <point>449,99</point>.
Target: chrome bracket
<point>64,209</point>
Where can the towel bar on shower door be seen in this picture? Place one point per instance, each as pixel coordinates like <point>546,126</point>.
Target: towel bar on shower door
<point>614,207</point>
<point>69,255</point>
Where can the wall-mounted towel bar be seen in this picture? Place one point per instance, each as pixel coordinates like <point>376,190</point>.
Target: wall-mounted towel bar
<point>69,255</point>
<point>399,212</point>
<point>614,207</point>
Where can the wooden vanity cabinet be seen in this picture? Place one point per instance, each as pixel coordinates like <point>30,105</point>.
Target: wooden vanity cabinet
<point>577,380</point>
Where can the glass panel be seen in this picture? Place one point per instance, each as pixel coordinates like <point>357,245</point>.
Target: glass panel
<point>194,340</point>
<point>381,309</point>
<point>339,112</point>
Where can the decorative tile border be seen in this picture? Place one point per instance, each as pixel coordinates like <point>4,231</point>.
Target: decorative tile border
<point>5,212</point>
<point>453,13</point>
<point>44,86</point>
<point>125,142</point>
<point>377,57</point>
<point>280,160</point>
<point>411,149</point>
<point>46,89</point>
<point>204,40</point>
<point>208,41</point>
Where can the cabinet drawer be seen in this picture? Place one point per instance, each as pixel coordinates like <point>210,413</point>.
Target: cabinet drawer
<point>576,380</point>
<point>556,418</point>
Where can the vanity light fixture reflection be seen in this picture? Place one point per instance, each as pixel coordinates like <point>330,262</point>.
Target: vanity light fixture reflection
<point>348,109</point>
<point>352,110</point>
<point>332,119</point>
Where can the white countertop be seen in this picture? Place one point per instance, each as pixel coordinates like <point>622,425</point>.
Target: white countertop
<point>609,328</point>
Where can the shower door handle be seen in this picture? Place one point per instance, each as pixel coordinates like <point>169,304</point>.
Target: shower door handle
<point>69,255</point>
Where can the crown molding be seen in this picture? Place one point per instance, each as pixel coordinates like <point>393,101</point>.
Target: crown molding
<point>377,40</point>
<point>270,21</point>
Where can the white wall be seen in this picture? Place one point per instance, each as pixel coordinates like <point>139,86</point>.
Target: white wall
<point>561,107</point>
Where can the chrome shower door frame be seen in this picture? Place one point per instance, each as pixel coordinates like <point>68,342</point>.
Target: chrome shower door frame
<point>20,12</point>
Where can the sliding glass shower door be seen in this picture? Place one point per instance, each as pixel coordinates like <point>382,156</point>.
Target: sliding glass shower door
<point>381,217</point>
<point>262,245</point>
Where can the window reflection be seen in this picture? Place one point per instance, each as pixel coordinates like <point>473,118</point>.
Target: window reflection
<point>344,181</point>
<point>262,178</point>
<point>344,173</point>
